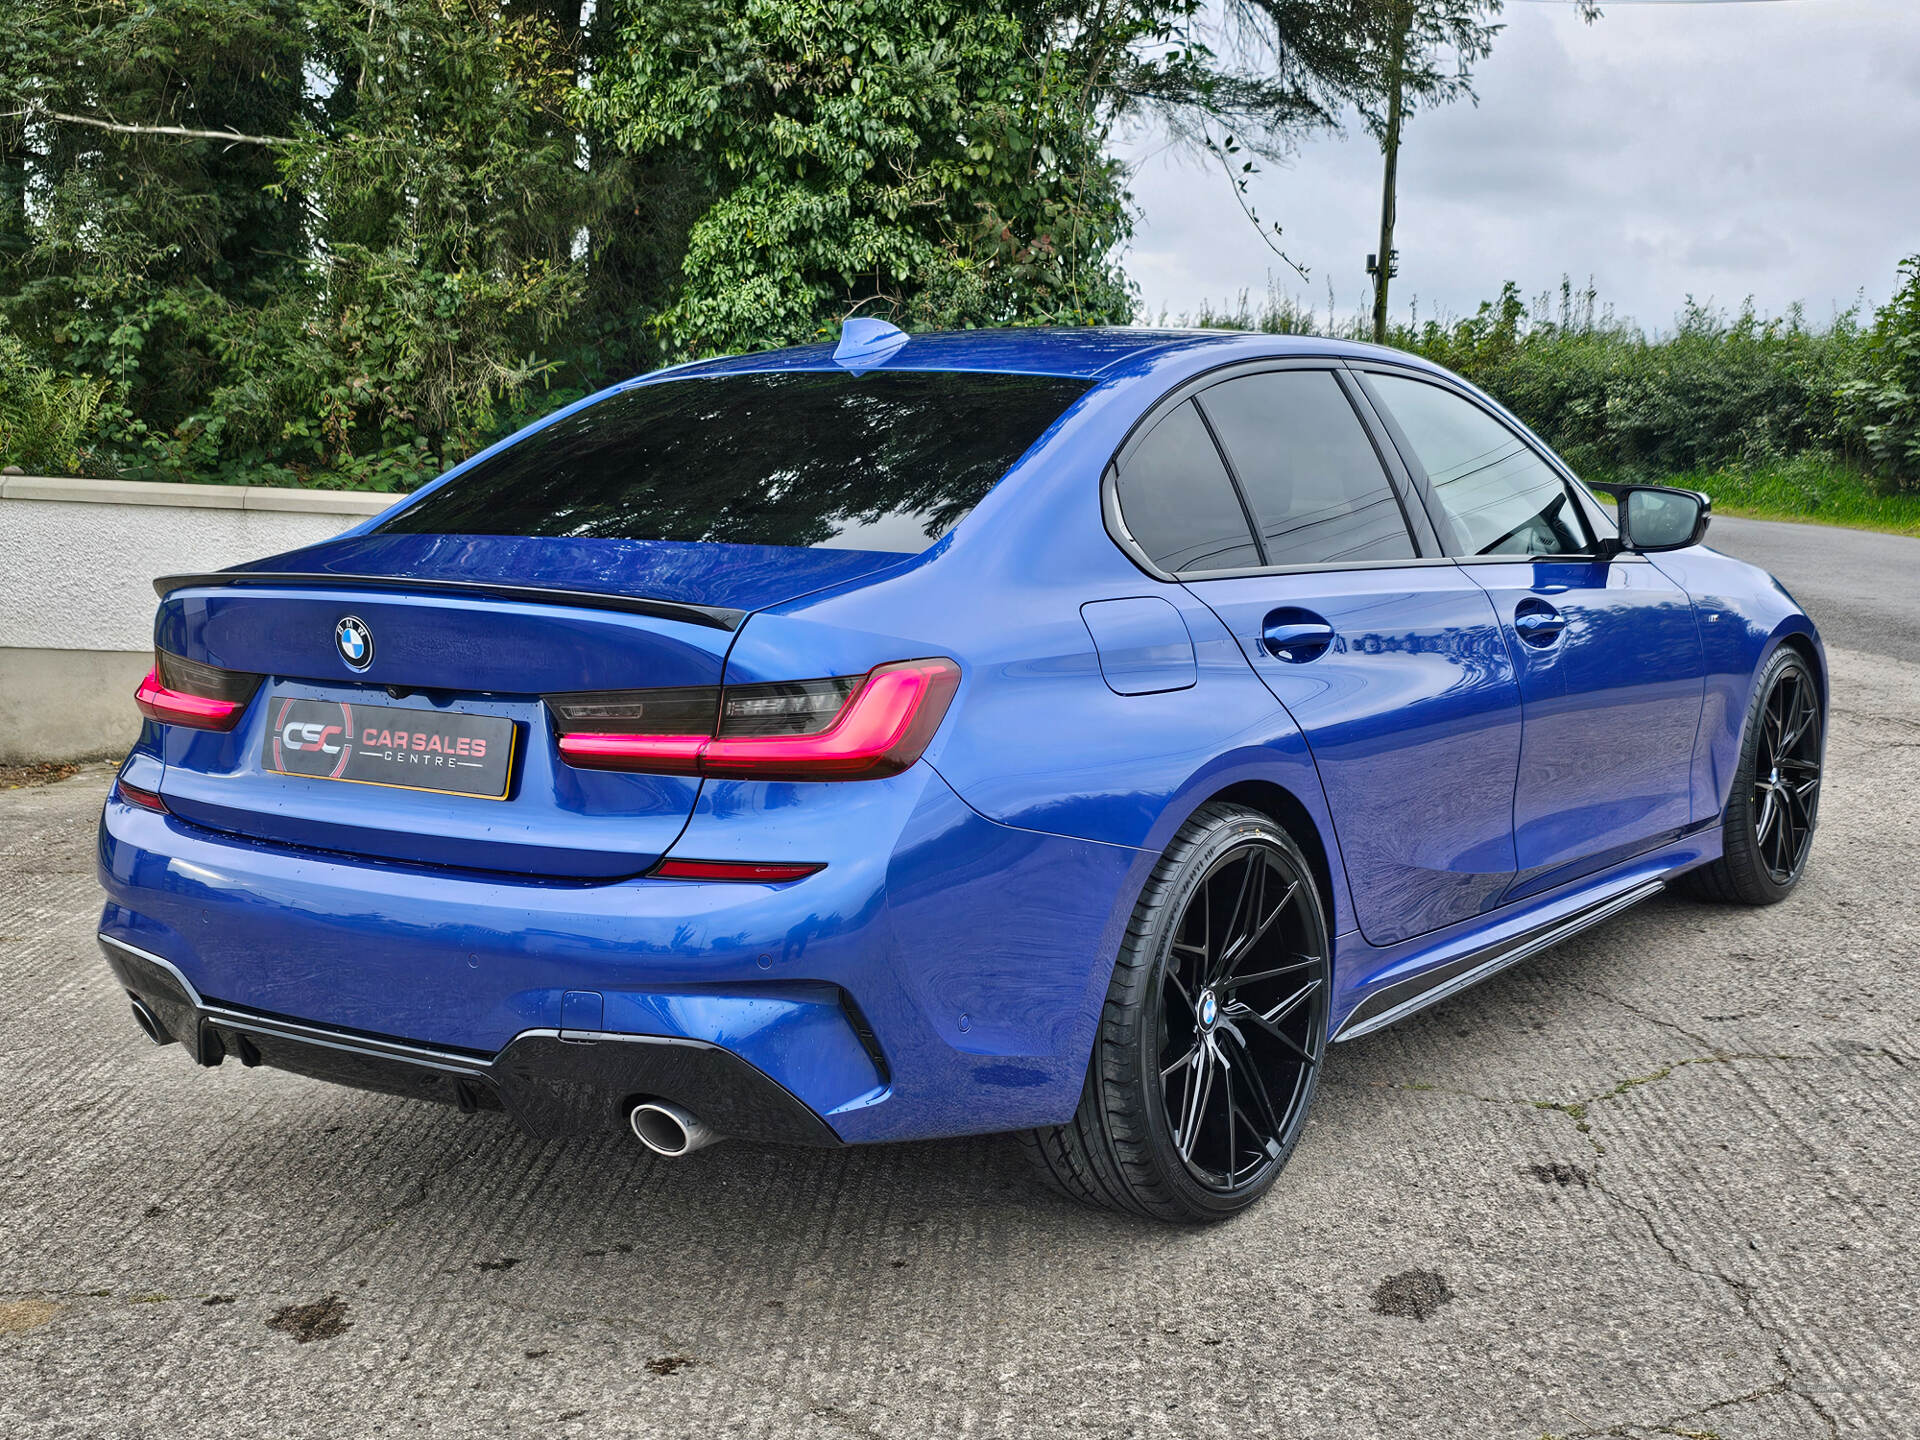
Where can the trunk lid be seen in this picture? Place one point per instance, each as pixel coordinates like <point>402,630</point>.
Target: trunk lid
<point>462,641</point>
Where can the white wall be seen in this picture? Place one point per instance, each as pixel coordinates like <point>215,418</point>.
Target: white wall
<point>77,563</point>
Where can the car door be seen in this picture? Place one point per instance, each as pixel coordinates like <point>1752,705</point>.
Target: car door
<point>1265,495</point>
<point>1612,673</point>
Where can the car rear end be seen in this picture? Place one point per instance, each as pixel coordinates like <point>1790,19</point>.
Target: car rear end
<point>472,804</point>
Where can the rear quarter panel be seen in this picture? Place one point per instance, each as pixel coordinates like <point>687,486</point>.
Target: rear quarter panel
<point>1037,738</point>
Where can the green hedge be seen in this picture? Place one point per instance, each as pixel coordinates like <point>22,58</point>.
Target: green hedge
<point>1717,391</point>
<point>1719,394</point>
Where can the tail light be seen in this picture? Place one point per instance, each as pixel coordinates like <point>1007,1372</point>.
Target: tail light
<point>179,691</point>
<point>856,728</point>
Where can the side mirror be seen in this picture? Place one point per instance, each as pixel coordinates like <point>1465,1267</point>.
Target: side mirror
<point>1654,517</point>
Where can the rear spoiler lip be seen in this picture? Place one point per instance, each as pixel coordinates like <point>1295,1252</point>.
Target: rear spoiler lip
<point>715,617</point>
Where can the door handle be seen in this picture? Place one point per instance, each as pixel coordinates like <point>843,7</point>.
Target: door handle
<point>1295,636</point>
<point>1537,622</point>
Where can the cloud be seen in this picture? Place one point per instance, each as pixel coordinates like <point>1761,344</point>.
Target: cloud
<point>1718,151</point>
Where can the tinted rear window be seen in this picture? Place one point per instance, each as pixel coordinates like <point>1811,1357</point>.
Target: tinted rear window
<point>1308,469</point>
<point>1179,503</point>
<point>884,461</point>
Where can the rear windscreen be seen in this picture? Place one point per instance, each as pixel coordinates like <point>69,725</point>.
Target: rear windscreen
<point>884,461</point>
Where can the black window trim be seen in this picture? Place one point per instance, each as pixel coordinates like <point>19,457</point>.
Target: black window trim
<point>1423,485</point>
<point>1233,480</point>
<point>1413,504</point>
<point>1428,547</point>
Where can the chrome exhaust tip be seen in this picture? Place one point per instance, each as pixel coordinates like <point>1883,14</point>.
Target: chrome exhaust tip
<point>668,1130</point>
<point>150,1022</point>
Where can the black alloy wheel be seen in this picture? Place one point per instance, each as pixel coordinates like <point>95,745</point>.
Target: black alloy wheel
<point>1211,1040</point>
<point>1786,776</point>
<point>1766,833</point>
<point>1242,1017</point>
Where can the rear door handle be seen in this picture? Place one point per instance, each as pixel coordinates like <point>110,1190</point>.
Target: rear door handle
<point>1295,636</point>
<point>1537,622</point>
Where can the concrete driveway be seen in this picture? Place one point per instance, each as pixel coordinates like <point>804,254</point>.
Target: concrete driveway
<point>1659,1181</point>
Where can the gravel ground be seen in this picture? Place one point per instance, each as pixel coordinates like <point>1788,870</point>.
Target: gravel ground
<point>1659,1181</point>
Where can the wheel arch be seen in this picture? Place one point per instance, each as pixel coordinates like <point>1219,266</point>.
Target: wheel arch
<point>1280,783</point>
<point>1285,809</point>
<point>1795,633</point>
<point>1807,643</point>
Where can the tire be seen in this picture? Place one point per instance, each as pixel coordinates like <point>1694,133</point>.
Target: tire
<point>1768,827</point>
<point>1260,1038</point>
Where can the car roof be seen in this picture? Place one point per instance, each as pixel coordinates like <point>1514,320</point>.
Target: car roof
<point>1092,353</point>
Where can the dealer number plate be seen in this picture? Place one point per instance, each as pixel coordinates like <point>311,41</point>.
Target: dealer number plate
<point>440,750</point>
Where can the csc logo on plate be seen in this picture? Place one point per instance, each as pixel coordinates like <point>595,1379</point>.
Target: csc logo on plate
<point>310,737</point>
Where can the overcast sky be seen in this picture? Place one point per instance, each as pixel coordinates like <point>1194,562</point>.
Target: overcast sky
<point>1717,150</point>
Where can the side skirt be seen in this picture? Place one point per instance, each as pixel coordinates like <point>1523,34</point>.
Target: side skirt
<point>1395,1002</point>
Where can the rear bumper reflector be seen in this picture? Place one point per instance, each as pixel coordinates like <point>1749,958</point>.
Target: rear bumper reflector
<point>763,872</point>
<point>145,799</point>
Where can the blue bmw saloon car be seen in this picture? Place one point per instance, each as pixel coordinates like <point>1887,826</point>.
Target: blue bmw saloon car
<point>1065,733</point>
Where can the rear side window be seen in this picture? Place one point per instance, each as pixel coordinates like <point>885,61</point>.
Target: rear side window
<point>1316,487</point>
<point>1500,497</point>
<point>1178,502</point>
<point>886,461</point>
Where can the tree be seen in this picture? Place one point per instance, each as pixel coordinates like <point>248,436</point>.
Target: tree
<point>441,281</point>
<point>120,243</point>
<point>1415,53</point>
<point>943,164</point>
<point>348,241</point>
<point>1300,63</point>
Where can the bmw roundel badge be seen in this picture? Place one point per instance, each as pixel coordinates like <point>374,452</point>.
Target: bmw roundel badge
<point>354,641</point>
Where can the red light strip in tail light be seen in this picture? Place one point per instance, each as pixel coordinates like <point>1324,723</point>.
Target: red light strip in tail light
<point>652,754</point>
<point>176,707</point>
<point>179,691</point>
<point>881,729</point>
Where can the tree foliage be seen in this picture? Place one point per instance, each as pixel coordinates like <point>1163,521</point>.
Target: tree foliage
<point>45,418</point>
<point>1425,48</point>
<point>347,241</point>
<point>366,287</point>
<point>943,163</point>
<point>1881,409</point>
<point>121,251</point>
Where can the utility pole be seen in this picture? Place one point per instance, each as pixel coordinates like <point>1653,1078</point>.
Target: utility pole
<point>1381,266</point>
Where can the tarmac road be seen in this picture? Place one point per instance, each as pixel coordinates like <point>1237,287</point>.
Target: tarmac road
<point>1862,589</point>
<point>1659,1181</point>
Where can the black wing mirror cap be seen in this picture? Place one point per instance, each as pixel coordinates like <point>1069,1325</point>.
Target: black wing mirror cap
<point>1654,518</point>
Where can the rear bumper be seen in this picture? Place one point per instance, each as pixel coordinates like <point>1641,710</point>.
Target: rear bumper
<point>553,1082</point>
<point>942,976</point>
